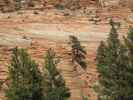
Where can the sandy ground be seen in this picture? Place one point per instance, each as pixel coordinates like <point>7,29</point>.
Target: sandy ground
<point>50,29</point>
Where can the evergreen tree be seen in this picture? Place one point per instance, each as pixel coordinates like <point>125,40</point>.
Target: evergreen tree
<point>25,78</point>
<point>106,63</point>
<point>101,58</point>
<point>129,46</point>
<point>130,33</point>
<point>54,85</point>
<point>78,52</point>
<point>123,76</point>
<point>112,43</point>
<point>115,65</point>
<point>129,41</point>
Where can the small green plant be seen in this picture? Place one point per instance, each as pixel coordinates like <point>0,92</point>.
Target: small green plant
<point>59,7</point>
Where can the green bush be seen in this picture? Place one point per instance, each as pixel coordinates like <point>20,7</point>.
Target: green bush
<point>59,7</point>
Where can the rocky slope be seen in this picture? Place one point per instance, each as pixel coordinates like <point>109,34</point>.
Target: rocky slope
<point>51,28</point>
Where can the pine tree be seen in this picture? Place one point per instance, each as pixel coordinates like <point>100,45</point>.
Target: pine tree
<point>115,65</point>
<point>112,43</point>
<point>54,85</point>
<point>118,78</point>
<point>106,63</point>
<point>101,58</point>
<point>78,52</point>
<point>130,33</point>
<point>123,77</point>
<point>129,46</point>
<point>129,40</point>
<point>25,78</point>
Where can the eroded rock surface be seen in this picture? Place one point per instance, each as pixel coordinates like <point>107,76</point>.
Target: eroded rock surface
<point>50,28</point>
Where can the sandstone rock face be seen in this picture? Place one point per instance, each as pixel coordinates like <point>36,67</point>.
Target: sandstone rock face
<point>13,40</point>
<point>130,4</point>
<point>109,2</point>
<point>51,29</point>
<point>88,2</point>
<point>11,4</point>
<point>106,3</point>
